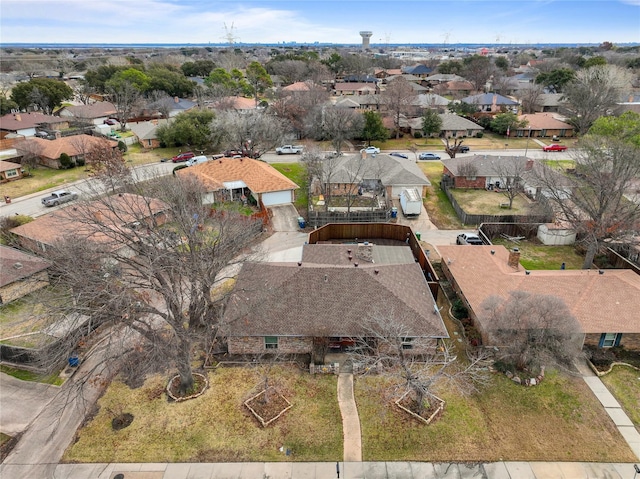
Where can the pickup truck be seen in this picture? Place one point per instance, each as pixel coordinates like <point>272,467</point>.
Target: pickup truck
<point>469,238</point>
<point>289,149</point>
<point>58,197</point>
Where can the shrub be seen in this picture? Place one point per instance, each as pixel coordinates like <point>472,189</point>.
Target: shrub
<point>479,134</point>
<point>80,162</point>
<point>459,309</point>
<point>122,146</point>
<point>417,134</point>
<point>65,161</point>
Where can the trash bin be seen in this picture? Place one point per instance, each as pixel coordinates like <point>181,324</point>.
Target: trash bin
<point>74,361</point>
<point>394,212</point>
<point>7,199</point>
<point>301,222</point>
<point>418,235</point>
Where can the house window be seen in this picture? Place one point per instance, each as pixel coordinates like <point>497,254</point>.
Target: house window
<point>271,342</point>
<point>11,173</point>
<point>471,178</point>
<point>149,143</point>
<point>608,340</point>
<point>407,343</point>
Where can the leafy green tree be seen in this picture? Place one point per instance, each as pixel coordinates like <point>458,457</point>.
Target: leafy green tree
<point>7,105</point>
<point>221,78</point>
<point>625,127</point>
<point>373,129</point>
<point>172,82</point>
<point>431,123</point>
<point>333,62</point>
<point>593,61</point>
<point>463,109</point>
<point>97,78</point>
<point>555,80</point>
<point>44,93</point>
<point>633,63</point>
<point>136,78</point>
<point>450,67</point>
<point>258,78</point>
<point>191,128</point>
<point>199,68</point>
<point>502,63</point>
<point>505,121</point>
<point>65,161</point>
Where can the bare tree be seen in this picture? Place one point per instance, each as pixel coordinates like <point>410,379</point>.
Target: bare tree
<point>389,347</point>
<point>125,96</point>
<point>145,261</point>
<point>510,171</point>
<point>334,123</point>
<point>398,98</point>
<point>452,149</point>
<point>533,330</point>
<point>530,98</point>
<point>31,151</point>
<point>320,170</point>
<point>593,201</point>
<point>253,133</point>
<point>161,102</point>
<point>593,92</point>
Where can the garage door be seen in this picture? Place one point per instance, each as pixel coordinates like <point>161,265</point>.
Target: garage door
<point>277,198</point>
<point>396,190</point>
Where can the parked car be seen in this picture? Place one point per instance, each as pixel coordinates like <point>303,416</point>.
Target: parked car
<point>370,150</point>
<point>187,155</point>
<point>428,156</point>
<point>58,197</point>
<point>469,238</point>
<point>289,150</point>
<point>110,121</point>
<point>462,149</point>
<point>399,155</point>
<point>554,147</point>
<point>197,160</point>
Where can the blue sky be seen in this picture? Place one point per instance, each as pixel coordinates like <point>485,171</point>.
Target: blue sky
<point>330,21</point>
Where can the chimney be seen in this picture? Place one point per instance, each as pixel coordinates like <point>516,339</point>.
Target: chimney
<point>18,117</point>
<point>176,99</point>
<point>529,165</point>
<point>514,258</point>
<point>494,102</point>
<point>98,216</point>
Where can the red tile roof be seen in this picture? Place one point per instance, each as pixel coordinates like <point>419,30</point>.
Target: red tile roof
<point>602,303</point>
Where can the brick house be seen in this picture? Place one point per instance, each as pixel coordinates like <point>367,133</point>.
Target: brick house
<point>147,133</point>
<point>543,125</point>
<point>26,125</point>
<point>330,294</point>
<point>76,146</point>
<point>10,171</point>
<point>20,274</point>
<point>349,88</point>
<point>605,302</point>
<point>484,171</point>
<point>95,113</point>
<point>490,102</point>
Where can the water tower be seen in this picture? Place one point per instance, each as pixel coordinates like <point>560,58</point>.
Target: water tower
<point>365,39</point>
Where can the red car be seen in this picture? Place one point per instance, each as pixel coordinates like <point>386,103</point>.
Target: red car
<point>183,157</point>
<point>554,147</point>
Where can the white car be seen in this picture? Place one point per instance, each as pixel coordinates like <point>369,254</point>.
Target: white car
<point>370,150</point>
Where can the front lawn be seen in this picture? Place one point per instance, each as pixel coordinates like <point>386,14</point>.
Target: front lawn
<point>534,255</point>
<point>559,420</point>
<point>624,384</point>
<point>296,172</point>
<point>215,427</point>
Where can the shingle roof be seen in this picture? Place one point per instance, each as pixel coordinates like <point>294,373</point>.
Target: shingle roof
<point>487,99</point>
<point>71,145</point>
<point>485,165</point>
<point>290,300</point>
<point>451,121</point>
<point>389,170</point>
<point>260,177</point>
<point>602,303</point>
<point>8,165</point>
<point>20,121</point>
<point>94,110</point>
<point>544,121</point>
<point>147,130</point>
<point>28,265</point>
<point>428,100</point>
<point>338,254</point>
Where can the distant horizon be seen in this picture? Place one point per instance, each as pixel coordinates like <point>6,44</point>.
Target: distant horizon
<point>251,22</point>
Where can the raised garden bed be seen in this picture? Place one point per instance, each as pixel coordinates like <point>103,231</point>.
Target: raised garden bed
<point>268,409</point>
<point>200,385</point>
<point>428,414</point>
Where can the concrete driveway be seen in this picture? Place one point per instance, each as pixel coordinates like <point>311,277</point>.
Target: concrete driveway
<point>21,402</point>
<point>284,218</point>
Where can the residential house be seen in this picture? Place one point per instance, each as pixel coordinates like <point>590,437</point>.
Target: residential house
<point>453,126</point>
<point>70,223</point>
<point>349,88</point>
<point>549,102</point>
<point>20,274</point>
<point>94,113</point>
<point>347,102</point>
<point>455,88</point>
<point>418,70</point>
<point>385,173</point>
<point>332,294</point>
<point>542,125</point>
<point>439,78</point>
<point>146,133</point>
<point>174,106</point>
<point>491,102</point>
<point>237,103</point>
<point>26,125</point>
<point>486,171</point>
<point>368,102</point>
<point>76,146</point>
<point>364,78</point>
<point>605,302</point>
<point>228,179</point>
<point>431,101</point>
<point>382,73</point>
<point>10,171</point>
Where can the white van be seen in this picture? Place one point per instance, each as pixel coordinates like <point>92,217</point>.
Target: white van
<point>196,160</point>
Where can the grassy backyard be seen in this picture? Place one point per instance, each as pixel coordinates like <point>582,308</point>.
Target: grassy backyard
<point>215,427</point>
<point>297,173</point>
<point>624,384</point>
<point>483,202</point>
<point>441,213</point>
<point>534,255</point>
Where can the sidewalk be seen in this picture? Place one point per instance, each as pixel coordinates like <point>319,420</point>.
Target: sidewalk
<point>328,470</point>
